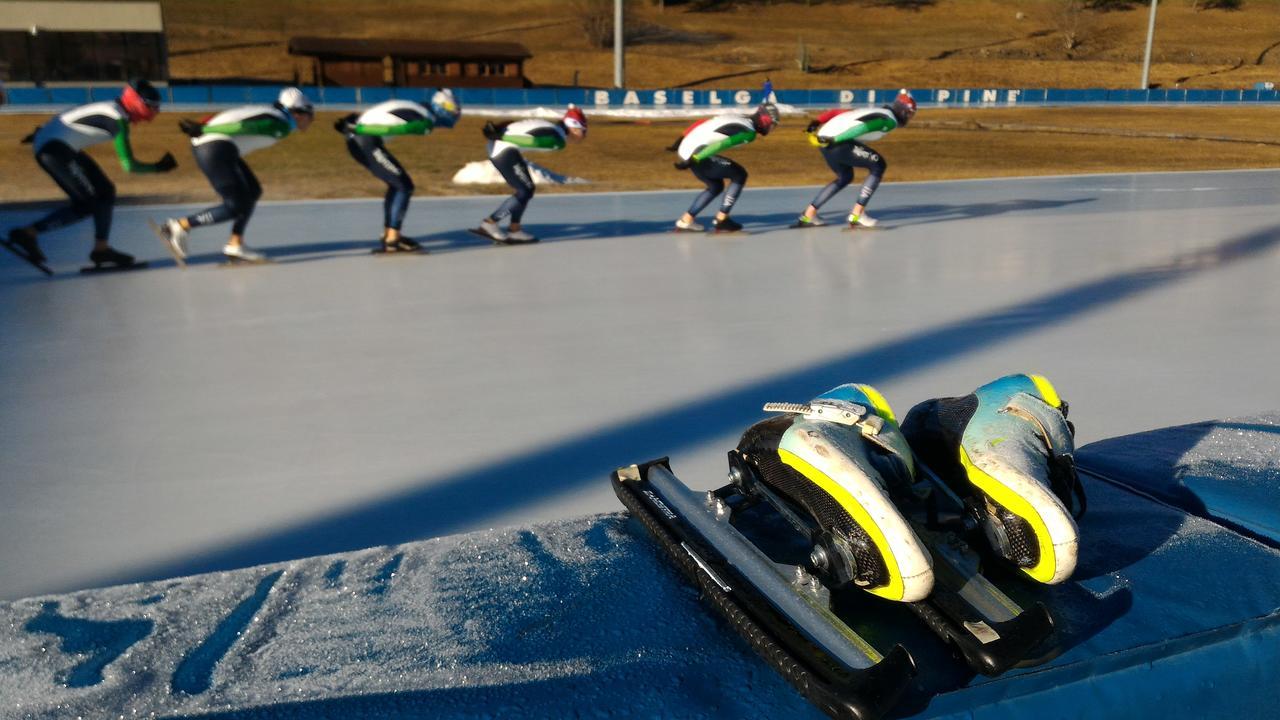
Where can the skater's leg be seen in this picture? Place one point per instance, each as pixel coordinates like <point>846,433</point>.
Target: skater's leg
<point>218,161</point>
<point>399,190</point>
<point>838,159</point>
<point>875,164</point>
<point>515,171</point>
<point>710,175</point>
<point>245,201</point>
<point>62,164</point>
<point>104,200</point>
<point>737,176</point>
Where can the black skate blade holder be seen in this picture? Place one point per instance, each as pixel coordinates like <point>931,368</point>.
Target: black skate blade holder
<point>990,630</point>
<point>784,615</point>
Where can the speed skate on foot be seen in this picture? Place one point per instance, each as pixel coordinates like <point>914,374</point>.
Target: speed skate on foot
<point>804,222</point>
<point>174,243</point>
<point>825,501</point>
<point>23,244</point>
<point>241,255</point>
<point>111,260</point>
<point>402,246</point>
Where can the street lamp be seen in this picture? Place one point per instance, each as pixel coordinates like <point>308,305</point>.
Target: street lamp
<point>1146,60</point>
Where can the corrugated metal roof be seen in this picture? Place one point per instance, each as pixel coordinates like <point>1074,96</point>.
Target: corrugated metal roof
<point>81,16</point>
<point>418,49</point>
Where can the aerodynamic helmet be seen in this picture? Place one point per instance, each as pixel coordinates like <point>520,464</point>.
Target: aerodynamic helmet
<point>765,117</point>
<point>140,100</point>
<point>292,100</point>
<point>446,108</point>
<point>575,119</point>
<point>904,107</point>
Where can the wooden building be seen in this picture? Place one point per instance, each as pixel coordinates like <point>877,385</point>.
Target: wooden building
<point>412,63</point>
<point>50,42</point>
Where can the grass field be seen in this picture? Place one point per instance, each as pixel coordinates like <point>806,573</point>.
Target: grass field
<point>629,156</point>
<point>854,43</point>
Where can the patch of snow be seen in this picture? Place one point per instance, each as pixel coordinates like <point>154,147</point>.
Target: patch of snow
<point>482,172</point>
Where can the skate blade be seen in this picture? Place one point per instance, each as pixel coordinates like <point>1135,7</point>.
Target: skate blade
<point>805,226</point>
<point>485,235</point>
<point>39,265</point>
<point>230,262</point>
<point>382,251</point>
<point>862,228</point>
<point>106,269</point>
<point>181,261</point>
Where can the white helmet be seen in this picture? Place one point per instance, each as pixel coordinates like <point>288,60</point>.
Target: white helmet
<point>445,107</point>
<point>292,100</point>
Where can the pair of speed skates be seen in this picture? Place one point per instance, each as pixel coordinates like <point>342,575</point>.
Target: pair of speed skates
<point>834,504</point>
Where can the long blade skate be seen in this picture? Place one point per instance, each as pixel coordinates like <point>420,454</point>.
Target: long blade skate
<point>164,240</point>
<point>873,524</point>
<point>781,610</point>
<point>17,250</point>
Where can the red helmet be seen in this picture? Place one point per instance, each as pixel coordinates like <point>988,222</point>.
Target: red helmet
<point>140,100</point>
<point>765,117</point>
<point>575,119</point>
<point>904,107</point>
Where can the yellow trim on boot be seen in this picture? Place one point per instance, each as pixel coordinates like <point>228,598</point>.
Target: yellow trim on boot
<point>1047,391</point>
<point>895,589</point>
<point>1043,570</point>
<point>878,402</point>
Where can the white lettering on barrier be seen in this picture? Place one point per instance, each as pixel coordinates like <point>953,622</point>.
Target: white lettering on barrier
<point>989,96</point>
<point>1013,97</point>
<point>943,95</point>
<point>686,97</point>
<point>602,97</point>
<point>714,98</point>
<point>660,97</point>
<point>631,98</point>
<point>742,97</point>
<point>871,97</point>
<point>966,97</point>
<point>846,97</point>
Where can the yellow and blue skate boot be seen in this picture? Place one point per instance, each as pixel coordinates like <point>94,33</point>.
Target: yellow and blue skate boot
<point>841,460</point>
<point>1006,450</point>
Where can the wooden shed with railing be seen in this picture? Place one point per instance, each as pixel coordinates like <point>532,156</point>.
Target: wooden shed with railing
<point>66,41</point>
<point>412,63</point>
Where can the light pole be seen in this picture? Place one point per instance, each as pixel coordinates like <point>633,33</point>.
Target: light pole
<point>1146,59</point>
<point>618,81</point>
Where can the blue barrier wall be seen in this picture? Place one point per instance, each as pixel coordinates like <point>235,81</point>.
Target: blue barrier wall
<point>223,95</point>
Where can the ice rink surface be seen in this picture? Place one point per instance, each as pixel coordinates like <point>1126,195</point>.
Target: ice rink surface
<point>163,422</point>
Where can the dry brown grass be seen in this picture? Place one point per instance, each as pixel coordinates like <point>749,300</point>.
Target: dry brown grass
<point>864,43</point>
<point>629,156</point>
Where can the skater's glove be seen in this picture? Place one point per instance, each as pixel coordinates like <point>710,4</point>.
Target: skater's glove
<point>30,138</point>
<point>813,127</point>
<point>345,123</point>
<point>192,128</point>
<point>684,164</point>
<point>166,163</point>
<point>491,131</point>
<point>675,145</point>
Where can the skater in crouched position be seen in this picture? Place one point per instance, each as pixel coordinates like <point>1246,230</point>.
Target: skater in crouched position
<point>699,150</point>
<point>220,144</point>
<point>1005,449</point>
<point>59,150</point>
<point>365,133</point>
<point>840,136</point>
<point>505,143</point>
